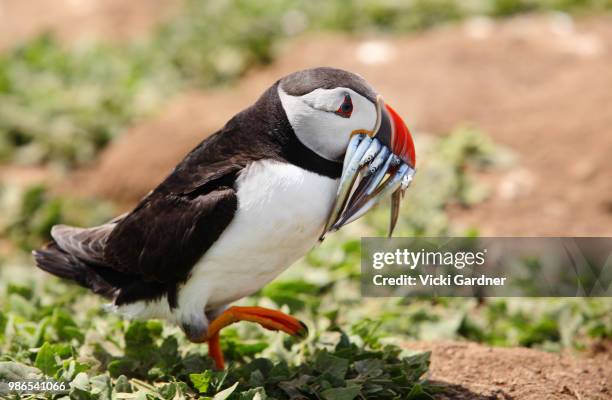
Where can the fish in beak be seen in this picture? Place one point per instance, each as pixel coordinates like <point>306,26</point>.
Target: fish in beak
<point>376,164</point>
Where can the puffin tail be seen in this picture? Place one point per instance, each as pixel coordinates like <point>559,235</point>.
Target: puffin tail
<point>56,261</point>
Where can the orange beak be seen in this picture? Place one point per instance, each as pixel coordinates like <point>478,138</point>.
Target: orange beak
<point>403,145</point>
<point>394,133</point>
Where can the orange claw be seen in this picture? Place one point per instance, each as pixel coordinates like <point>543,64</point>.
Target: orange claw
<point>267,318</point>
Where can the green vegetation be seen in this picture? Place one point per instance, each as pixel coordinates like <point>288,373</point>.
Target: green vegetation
<point>64,104</point>
<point>28,215</point>
<point>47,331</point>
<point>63,332</point>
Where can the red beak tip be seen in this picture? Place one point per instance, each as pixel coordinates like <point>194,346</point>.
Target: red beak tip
<point>403,144</point>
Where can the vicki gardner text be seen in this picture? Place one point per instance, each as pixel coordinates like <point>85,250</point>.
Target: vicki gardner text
<point>413,259</point>
<point>438,280</point>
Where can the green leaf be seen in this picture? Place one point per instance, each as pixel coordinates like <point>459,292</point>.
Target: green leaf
<point>122,385</point>
<point>46,361</point>
<point>347,393</point>
<point>417,393</point>
<point>246,349</point>
<point>39,336</point>
<point>20,306</point>
<point>70,368</point>
<point>169,354</point>
<point>291,293</point>
<point>140,339</point>
<point>370,367</point>
<point>13,371</point>
<point>101,387</point>
<point>80,387</point>
<point>335,366</point>
<point>168,391</point>
<point>257,393</point>
<point>279,372</point>
<point>3,321</point>
<point>65,326</point>
<point>257,379</point>
<point>22,290</point>
<point>121,367</point>
<point>224,394</point>
<point>201,381</point>
<point>415,365</point>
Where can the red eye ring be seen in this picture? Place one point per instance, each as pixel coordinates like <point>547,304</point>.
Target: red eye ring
<point>346,108</point>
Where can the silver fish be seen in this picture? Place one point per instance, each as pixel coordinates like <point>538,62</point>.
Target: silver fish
<point>367,162</point>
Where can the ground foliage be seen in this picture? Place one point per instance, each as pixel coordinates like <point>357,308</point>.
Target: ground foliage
<point>47,331</point>
<point>63,104</point>
<point>27,214</point>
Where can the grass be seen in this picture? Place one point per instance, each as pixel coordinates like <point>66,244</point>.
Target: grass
<point>54,329</point>
<point>28,214</point>
<point>48,332</point>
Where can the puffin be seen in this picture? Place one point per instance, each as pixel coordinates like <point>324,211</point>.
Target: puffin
<point>241,207</point>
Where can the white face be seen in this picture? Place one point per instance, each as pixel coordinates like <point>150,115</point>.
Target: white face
<point>323,124</point>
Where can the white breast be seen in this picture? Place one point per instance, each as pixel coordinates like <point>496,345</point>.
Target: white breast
<point>281,212</point>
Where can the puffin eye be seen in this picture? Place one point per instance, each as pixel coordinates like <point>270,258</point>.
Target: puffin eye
<point>346,108</point>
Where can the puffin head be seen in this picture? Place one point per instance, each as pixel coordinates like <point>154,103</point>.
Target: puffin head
<point>340,117</point>
<point>326,107</point>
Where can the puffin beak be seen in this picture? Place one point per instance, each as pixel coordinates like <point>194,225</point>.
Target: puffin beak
<point>385,152</point>
<point>394,133</point>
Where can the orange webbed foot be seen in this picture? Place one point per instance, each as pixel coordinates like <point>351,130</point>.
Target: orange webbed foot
<point>267,318</point>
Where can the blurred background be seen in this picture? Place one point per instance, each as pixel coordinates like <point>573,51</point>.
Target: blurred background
<point>509,102</point>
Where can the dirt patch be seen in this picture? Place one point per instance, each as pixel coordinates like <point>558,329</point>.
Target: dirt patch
<point>476,372</point>
<point>139,160</point>
<point>78,20</point>
<point>538,85</point>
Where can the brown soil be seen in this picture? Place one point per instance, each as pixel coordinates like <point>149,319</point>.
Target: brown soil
<point>537,85</point>
<point>475,372</point>
<point>77,20</point>
<point>136,162</point>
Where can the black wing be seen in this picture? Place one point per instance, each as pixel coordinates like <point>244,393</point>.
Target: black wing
<point>153,248</point>
<point>170,230</point>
